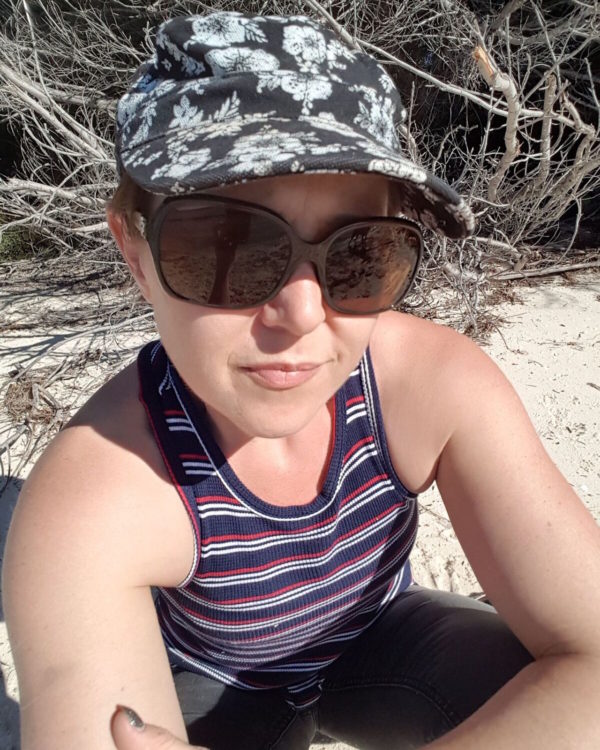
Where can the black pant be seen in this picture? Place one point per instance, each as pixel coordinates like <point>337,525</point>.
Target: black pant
<point>427,663</point>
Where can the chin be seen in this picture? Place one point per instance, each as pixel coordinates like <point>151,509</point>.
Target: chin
<point>275,423</point>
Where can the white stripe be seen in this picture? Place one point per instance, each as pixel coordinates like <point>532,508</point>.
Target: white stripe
<point>215,548</point>
<point>243,579</point>
<point>266,628</point>
<point>361,455</point>
<point>369,401</point>
<point>295,638</point>
<point>357,415</point>
<point>265,542</point>
<point>241,512</point>
<point>253,652</point>
<point>360,406</point>
<point>155,350</point>
<point>257,606</point>
<point>241,547</point>
<point>165,383</point>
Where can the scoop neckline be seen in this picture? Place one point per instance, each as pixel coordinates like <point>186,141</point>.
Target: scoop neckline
<point>200,418</point>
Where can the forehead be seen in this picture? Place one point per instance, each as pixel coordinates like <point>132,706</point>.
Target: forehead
<point>333,193</point>
<point>341,188</point>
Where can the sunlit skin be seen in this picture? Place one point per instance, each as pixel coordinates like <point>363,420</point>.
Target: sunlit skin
<point>268,372</point>
<point>117,526</point>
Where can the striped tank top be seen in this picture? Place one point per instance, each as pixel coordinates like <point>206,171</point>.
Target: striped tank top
<point>275,594</point>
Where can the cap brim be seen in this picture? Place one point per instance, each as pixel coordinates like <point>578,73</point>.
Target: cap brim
<point>184,161</point>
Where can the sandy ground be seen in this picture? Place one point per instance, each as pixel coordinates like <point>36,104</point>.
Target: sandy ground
<point>549,347</point>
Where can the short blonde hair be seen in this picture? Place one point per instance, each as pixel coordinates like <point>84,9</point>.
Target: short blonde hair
<point>127,200</point>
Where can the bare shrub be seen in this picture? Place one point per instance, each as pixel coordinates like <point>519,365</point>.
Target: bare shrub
<point>502,102</point>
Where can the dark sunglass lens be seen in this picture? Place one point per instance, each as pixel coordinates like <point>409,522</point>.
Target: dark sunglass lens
<point>216,254</point>
<point>369,267</point>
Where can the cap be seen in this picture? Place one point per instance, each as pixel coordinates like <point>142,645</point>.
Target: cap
<point>230,97</point>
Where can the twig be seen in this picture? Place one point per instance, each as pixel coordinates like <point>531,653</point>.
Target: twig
<point>546,271</point>
<point>13,184</point>
<point>549,99</point>
<point>13,438</point>
<point>500,245</point>
<point>348,38</point>
<point>76,134</point>
<point>450,88</point>
<point>82,334</point>
<point>504,83</point>
<point>581,164</point>
<point>505,13</point>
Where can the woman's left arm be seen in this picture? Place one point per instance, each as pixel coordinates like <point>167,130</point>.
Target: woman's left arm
<point>536,551</point>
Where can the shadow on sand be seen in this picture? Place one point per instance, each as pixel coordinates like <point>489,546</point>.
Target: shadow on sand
<point>9,708</point>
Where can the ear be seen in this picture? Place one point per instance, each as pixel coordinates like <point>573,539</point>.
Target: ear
<point>134,250</point>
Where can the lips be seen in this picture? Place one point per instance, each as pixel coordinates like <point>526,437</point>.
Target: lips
<point>282,375</point>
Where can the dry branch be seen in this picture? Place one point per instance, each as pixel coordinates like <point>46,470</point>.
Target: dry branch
<point>545,143</point>
<point>502,82</point>
<point>510,130</point>
<point>548,271</point>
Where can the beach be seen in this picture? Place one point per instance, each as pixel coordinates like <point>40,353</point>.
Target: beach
<point>548,345</point>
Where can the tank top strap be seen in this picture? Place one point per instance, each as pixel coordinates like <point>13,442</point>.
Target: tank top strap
<point>173,430</point>
<point>374,419</point>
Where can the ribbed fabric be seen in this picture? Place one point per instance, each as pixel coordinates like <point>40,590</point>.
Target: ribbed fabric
<point>275,593</point>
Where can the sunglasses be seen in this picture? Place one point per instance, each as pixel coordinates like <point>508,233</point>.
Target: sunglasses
<point>231,254</point>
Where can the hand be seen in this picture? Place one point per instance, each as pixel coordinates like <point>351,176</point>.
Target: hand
<point>130,733</point>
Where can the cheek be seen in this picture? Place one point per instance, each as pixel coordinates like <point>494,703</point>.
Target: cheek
<point>199,341</point>
<point>184,331</point>
<point>355,332</point>
<point>148,280</point>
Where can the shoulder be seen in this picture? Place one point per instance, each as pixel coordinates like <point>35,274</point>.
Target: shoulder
<point>429,378</point>
<point>419,343</point>
<point>102,485</point>
<point>423,357</point>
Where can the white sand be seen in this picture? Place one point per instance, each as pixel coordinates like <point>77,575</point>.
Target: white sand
<point>549,348</point>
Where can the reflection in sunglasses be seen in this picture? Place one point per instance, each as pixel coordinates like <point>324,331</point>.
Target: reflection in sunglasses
<point>227,260</point>
<point>228,257</point>
<point>373,266</point>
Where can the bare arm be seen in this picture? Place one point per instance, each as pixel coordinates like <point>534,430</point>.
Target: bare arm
<point>536,551</point>
<point>81,554</point>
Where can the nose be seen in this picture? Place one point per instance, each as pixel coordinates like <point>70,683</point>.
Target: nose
<point>299,306</point>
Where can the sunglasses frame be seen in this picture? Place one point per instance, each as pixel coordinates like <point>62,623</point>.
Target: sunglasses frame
<point>301,251</point>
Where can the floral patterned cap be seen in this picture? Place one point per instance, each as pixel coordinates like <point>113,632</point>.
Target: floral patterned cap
<point>230,97</point>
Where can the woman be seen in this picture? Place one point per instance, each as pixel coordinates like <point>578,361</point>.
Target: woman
<point>259,465</point>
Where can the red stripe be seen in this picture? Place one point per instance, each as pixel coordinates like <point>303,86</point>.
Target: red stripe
<point>360,489</point>
<point>354,400</point>
<point>370,575</point>
<point>292,558</point>
<point>266,534</point>
<point>289,532</point>
<point>196,456</point>
<point>170,470</point>
<point>356,446</point>
<point>225,499</point>
<point>174,413</point>
<point>324,577</point>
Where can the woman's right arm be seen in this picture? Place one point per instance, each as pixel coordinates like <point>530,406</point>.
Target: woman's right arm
<point>85,544</point>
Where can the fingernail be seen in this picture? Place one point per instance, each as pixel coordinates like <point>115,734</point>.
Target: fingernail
<point>132,717</point>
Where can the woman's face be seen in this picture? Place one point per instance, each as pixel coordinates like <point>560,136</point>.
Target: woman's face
<point>267,371</point>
